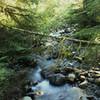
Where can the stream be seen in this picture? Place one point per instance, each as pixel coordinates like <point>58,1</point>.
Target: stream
<point>50,92</point>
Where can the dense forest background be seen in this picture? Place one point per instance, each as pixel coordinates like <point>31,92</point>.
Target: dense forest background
<point>47,16</point>
<point>24,23</point>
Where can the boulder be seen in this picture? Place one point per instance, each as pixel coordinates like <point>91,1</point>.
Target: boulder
<point>49,71</point>
<point>57,79</point>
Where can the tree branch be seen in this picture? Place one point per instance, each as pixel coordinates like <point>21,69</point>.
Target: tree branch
<point>66,38</point>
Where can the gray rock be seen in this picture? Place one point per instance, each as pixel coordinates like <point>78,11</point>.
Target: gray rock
<point>91,97</point>
<point>91,80</point>
<point>97,81</point>
<point>71,77</point>
<point>82,78</point>
<point>46,72</point>
<point>57,79</point>
<point>97,93</point>
<point>26,98</point>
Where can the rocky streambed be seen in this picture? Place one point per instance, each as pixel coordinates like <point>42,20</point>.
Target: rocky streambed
<point>50,77</point>
<point>51,82</point>
<point>40,78</point>
<point>52,87</point>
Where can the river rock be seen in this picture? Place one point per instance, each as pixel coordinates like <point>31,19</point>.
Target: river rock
<point>68,70</point>
<point>96,75</point>
<point>71,77</point>
<point>31,94</point>
<point>96,69</point>
<point>77,71</point>
<point>26,98</point>
<point>46,72</point>
<point>79,59</point>
<point>91,97</point>
<point>84,73</point>
<point>57,79</point>
<point>84,84</point>
<point>97,93</point>
<point>49,71</point>
<point>97,81</point>
<point>91,80</point>
<point>82,78</point>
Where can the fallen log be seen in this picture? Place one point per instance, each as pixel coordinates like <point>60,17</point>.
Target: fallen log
<point>62,37</point>
<point>83,41</point>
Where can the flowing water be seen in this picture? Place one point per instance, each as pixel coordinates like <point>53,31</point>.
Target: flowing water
<point>49,92</point>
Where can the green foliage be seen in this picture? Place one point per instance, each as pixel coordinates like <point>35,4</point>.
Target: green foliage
<point>11,39</point>
<point>92,56</point>
<point>88,33</point>
<point>5,83</point>
<point>4,73</point>
<point>92,8</point>
<point>79,17</point>
<point>53,14</point>
<point>17,16</point>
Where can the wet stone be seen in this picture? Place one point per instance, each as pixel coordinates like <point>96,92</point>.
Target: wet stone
<point>71,77</point>
<point>97,93</point>
<point>97,81</point>
<point>57,79</point>
<point>82,78</point>
<point>91,97</point>
<point>84,84</point>
<point>26,98</point>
